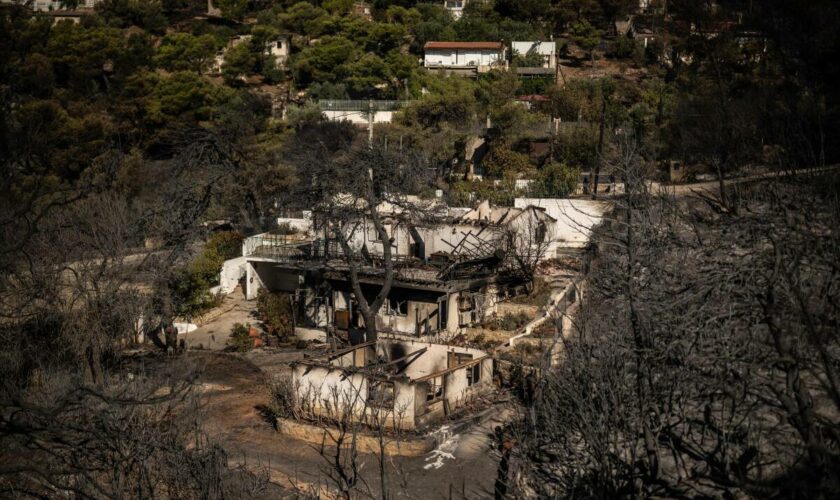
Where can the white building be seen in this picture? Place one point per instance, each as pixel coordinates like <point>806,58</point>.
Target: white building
<point>360,112</point>
<point>51,5</point>
<point>574,219</point>
<point>401,384</point>
<point>477,56</point>
<point>455,7</point>
<point>280,48</point>
<point>547,50</point>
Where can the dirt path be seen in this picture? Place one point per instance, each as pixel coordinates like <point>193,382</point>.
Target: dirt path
<point>235,393</point>
<point>214,334</point>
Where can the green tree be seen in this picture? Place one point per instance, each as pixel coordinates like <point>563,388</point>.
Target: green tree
<point>327,90</point>
<point>234,9</point>
<point>183,51</point>
<point>225,244</point>
<point>36,76</point>
<point>325,62</point>
<point>367,75</point>
<point>403,73</point>
<point>497,88</point>
<point>482,22</point>
<point>555,180</point>
<point>383,38</point>
<point>529,60</point>
<point>400,15</point>
<point>587,37</point>
<point>450,101</point>
<point>305,19</point>
<point>576,148</point>
<point>565,12</point>
<point>509,118</point>
<point>190,293</point>
<point>337,7</point>
<point>522,10</point>
<point>299,117</point>
<point>147,14</point>
<point>182,97</point>
<point>435,24</point>
<point>47,135</point>
<point>85,59</point>
<point>504,162</point>
<point>240,61</point>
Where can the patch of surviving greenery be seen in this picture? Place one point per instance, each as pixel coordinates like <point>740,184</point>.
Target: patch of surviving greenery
<point>240,339</point>
<point>276,311</point>
<point>190,285</point>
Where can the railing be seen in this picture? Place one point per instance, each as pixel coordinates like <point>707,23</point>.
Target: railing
<point>292,248</point>
<point>360,105</point>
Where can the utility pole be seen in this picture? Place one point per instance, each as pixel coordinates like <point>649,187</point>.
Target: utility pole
<point>370,123</point>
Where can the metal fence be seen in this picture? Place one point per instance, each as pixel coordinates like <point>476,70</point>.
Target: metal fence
<point>360,105</point>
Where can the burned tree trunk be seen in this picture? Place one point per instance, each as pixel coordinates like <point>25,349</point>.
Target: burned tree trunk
<point>356,189</point>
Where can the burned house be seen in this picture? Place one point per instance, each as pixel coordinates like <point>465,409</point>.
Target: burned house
<point>447,276</point>
<point>402,384</point>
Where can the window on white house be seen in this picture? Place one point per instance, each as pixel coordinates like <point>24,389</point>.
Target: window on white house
<point>541,231</point>
<point>435,390</point>
<point>474,374</point>
<point>462,358</point>
<point>380,393</point>
<point>397,307</point>
<point>372,233</point>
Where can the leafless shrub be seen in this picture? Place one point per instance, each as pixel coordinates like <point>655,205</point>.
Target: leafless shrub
<point>283,398</point>
<point>77,288</point>
<point>705,359</point>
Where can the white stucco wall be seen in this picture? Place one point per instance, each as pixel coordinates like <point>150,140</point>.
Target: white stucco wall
<point>359,117</point>
<point>302,225</point>
<point>433,360</point>
<point>280,49</point>
<point>233,270</point>
<point>325,388</point>
<point>436,238</point>
<point>262,273</point>
<point>575,218</point>
<point>545,49</point>
<point>461,57</point>
<point>417,318</point>
<point>49,5</point>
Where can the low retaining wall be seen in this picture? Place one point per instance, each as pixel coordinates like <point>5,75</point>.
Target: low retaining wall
<point>408,446</point>
<point>500,336</point>
<point>310,334</point>
<point>503,308</point>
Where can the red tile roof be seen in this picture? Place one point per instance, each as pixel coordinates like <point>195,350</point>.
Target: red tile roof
<point>464,45</point>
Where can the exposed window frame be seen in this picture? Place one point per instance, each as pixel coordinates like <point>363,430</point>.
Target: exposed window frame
<point>375,388</point>
<point>395,311</point>
<point>473,374</point>
<point>435,392</point>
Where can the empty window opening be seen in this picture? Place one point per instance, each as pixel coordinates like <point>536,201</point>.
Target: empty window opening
<point>397,307</point>
<point>435,390</point>
<point>541,230</point>
<point>380,393</point>
<point>474,374</point>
